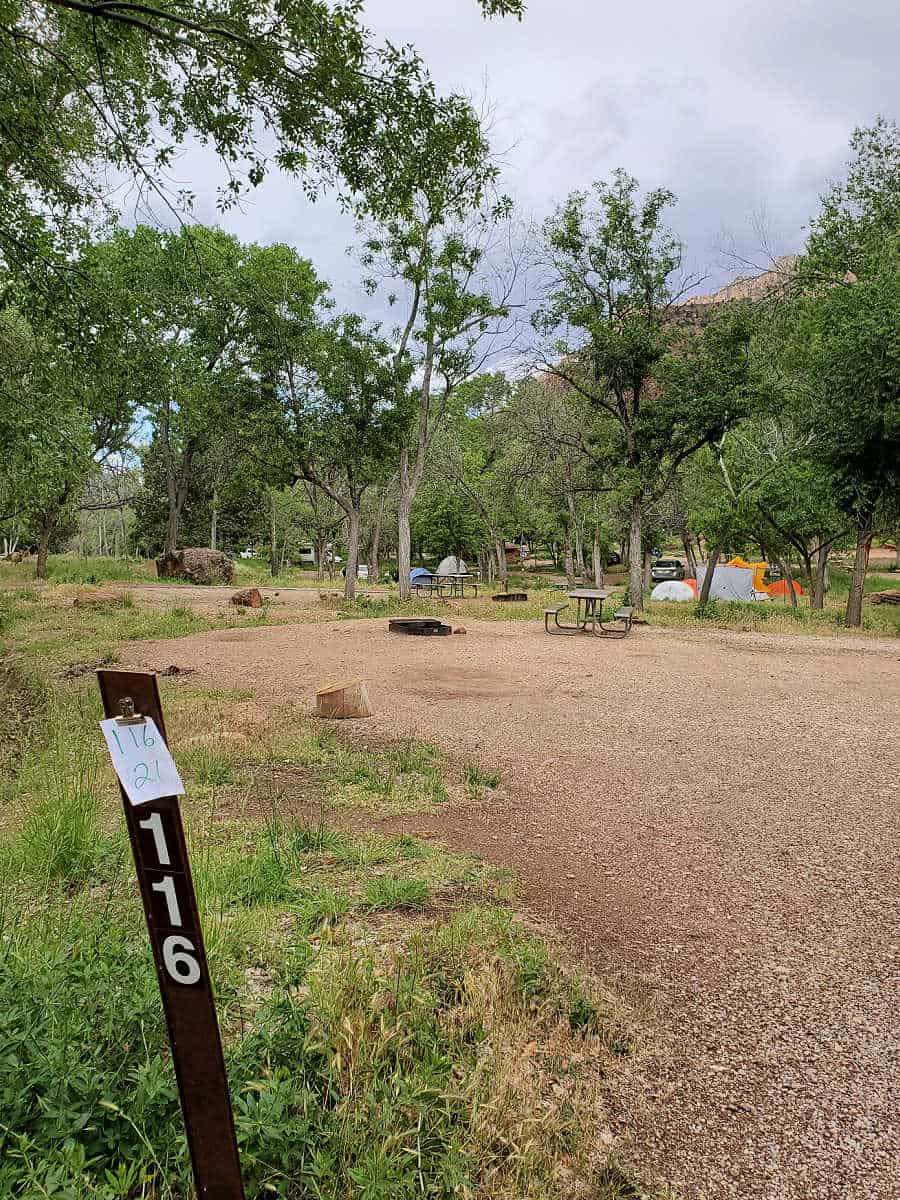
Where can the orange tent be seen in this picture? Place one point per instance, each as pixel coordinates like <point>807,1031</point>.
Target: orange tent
<point>780,588</point>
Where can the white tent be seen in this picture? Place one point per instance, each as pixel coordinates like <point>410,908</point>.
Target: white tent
<point>672,589</point>
<point>451,565</point>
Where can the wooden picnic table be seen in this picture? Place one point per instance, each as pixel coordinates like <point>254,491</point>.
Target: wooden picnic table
<point>589,615</point>
<point>589,598</point>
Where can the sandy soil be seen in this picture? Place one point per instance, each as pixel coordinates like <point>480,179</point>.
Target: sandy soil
<point>712,819</point>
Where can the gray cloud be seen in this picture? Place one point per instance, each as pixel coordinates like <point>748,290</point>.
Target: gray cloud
<point>741,107</point>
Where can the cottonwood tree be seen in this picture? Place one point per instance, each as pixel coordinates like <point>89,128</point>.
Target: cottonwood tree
<point>190,308</point>
<point>608,329</point>
<point>849,339</point>
<point>64,409</point>
<point>91,84</point>
<point>343,435</point>
<point>436,264</point>
<point>562,461</point>
<point>471,457</point>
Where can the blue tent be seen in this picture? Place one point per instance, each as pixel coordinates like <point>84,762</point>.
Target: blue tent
<point>419,573</point>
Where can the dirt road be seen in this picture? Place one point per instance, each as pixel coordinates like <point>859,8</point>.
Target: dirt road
<point>711,817</point>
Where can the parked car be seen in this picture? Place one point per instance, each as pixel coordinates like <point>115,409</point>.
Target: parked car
<point>667,568</point>
<point>613,558</point>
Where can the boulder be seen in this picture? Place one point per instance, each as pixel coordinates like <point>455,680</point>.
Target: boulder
<point>248,598</point>
<point>460,629</point>
<point>197,564</point>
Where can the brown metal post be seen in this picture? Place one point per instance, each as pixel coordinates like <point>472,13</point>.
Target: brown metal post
<point>173,922</point>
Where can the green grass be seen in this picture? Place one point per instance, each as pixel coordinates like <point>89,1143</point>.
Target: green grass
<point>57,634</point>
<point>364,984</point>
<point>475,777</point>
<point>773,617</point>
<point>356,1060</point>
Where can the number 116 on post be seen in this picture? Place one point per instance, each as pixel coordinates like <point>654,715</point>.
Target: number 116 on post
<point>170,905</point>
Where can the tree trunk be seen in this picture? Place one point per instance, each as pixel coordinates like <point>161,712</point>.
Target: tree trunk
<point>171,542</point>
<point>404,563</point>
<point>45,532</point>
<point>375,539</point>
<point>214,519</point>
<point>273,535</point>
<point>821,581</point>
<point>853,616</point>
<point>503,573</point>
<point>597,561</point>
<point>689,555</point>
<point>635,557</point>
<point>710,572</point>
<point>320,559</point>
<point>570,563</point>
<point>352,553</point>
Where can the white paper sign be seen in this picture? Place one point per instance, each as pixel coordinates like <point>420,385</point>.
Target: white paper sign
<point>142,761</point>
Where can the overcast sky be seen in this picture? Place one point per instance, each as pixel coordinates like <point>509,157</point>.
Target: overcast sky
<point>743,108</point>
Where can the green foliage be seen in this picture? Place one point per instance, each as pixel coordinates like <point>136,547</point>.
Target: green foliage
<point>86,89</point>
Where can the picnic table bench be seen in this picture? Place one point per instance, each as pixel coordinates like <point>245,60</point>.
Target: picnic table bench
<point>590,620</point>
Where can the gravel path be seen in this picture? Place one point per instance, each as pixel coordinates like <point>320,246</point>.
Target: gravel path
<point>710,817</point>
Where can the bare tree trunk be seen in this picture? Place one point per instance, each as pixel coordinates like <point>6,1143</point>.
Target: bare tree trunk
<point>375,538</point>
<point>500,547</point>
<point>352,552</point>
<point>689,555</point>
<point>320,559</point>
<point>45,532</point>
<point>853,616</point>
<point>597,560</point>
<point>635,557</point>
<point>404,563</point>
<point>570,563</point>
<point>821,581</point>
<point>410,479</point>
<point>785,569</point>
<point>214,519</point>
<point>273,535</point>
<point>710,572</point>
<point>897,551</point>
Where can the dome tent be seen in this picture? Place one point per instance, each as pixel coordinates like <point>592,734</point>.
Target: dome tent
<point>451,565</point>
<point>672,589</point>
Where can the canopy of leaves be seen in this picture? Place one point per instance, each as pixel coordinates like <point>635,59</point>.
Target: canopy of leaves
<point>85,85</point>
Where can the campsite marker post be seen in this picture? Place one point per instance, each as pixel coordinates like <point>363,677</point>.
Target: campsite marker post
<point>173,922</point>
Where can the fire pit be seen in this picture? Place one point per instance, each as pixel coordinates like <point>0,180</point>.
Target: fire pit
<point>419,626</point>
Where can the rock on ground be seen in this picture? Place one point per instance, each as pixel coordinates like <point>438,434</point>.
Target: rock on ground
<point>197,564</point>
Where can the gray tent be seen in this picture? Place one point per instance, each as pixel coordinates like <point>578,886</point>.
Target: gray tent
<point>451,565</point>
<point>728,583</point>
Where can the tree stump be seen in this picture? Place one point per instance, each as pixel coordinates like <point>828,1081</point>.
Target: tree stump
<point>339,701</point>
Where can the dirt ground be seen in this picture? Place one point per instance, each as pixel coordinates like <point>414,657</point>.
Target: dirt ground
<point>711,820</point>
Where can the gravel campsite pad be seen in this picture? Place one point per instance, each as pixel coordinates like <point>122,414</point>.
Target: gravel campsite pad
<point>709,818</point>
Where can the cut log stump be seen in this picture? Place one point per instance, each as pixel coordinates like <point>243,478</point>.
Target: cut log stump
<point>339,701</point>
